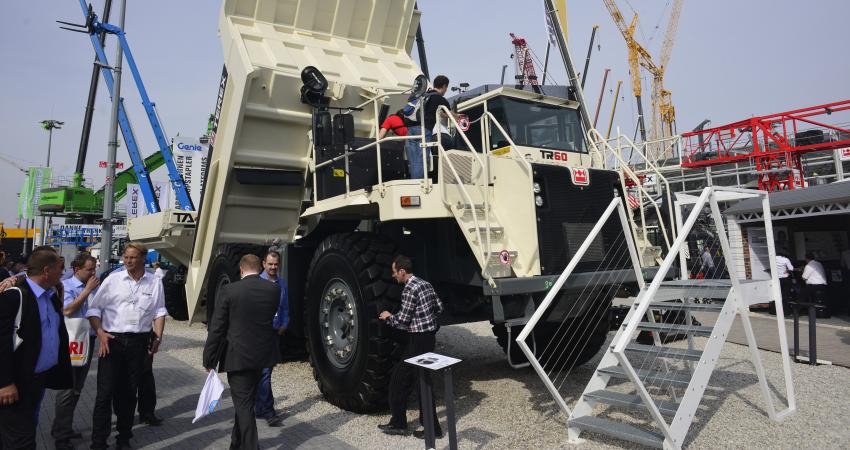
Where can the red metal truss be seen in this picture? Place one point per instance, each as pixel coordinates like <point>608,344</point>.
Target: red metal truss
<point>775,143</point>
<point>524,63</point>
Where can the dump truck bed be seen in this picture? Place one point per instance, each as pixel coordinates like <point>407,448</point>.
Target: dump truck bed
<point>261,153</point>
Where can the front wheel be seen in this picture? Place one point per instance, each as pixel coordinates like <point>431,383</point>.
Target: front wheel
<point>348,285</point>
<point>562,346</point>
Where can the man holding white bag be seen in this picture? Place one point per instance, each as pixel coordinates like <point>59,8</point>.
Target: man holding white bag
<point>78,290</point>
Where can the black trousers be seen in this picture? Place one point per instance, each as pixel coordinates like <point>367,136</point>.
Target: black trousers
<point>147,389</point>
<point>66,400</point>
<point>813,293</point>
<point>118,375</point>
<point>785,289</point>
<point>243,391</point>
<point>17,421</point>
<point>405,379</point>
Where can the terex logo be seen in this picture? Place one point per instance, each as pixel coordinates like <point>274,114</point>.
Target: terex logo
<point>189,147</point>
<point>554,155</point>
<point>581,176</point>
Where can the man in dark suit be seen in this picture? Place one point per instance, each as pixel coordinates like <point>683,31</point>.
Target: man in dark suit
<point>242,341</point>
<point>42,360</point>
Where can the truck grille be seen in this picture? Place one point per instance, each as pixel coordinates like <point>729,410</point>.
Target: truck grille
<point>568,214</point>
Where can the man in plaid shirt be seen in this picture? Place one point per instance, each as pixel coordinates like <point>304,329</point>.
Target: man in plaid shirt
<point>418,317</point>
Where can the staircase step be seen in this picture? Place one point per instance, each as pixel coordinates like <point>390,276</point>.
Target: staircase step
<point>467,206</point>
<point>630,401</point>
<point>494,230</point>
<point>665,352</point>
<point>678,289</point>
<point>705,307</point>
<point>618,430</point>
<point>650,377</point>
<point>676,328</point>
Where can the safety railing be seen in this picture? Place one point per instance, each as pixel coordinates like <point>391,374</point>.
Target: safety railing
<point>445,161</point>
<point>596,140</point>
<point>482,232</point>
<point>650,169</point>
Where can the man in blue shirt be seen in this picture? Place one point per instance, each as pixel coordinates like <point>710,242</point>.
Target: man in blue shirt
<point>264,406</point>
<point>42,359</point>
<point>78,289</point>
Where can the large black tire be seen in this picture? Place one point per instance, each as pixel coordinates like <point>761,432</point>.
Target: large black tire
<point>225,270</point>
<point>587,332</point>
<point>174,286</point>
<point>349,283</point>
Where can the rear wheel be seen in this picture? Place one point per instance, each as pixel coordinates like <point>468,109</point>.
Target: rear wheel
<point>348,285</point>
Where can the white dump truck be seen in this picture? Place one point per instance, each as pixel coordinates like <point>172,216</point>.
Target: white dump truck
<point>295,160</point>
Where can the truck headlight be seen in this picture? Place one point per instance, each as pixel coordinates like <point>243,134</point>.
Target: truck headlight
<point>538,200</point>
<point>536,187</point>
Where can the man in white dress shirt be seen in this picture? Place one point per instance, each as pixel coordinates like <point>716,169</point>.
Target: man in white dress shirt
<point>815,278</point>
<point>784,269</point>
<point>126,307</point>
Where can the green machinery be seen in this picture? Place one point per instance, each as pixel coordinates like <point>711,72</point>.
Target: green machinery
<point>79,200</point>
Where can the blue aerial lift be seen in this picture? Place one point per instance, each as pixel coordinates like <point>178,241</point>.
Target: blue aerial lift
<point>94,28</point>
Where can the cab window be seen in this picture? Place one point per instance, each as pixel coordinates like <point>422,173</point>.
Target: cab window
<point>534,124</point>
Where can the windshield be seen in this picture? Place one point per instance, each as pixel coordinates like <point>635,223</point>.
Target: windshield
<point>536,125</point>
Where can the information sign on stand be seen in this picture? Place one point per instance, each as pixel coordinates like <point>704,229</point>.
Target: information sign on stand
<point>436,362</point>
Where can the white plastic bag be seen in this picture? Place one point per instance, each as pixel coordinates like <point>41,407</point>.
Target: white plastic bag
<point>16,340</point>
<point>208,401</point>
<point>78,340</point>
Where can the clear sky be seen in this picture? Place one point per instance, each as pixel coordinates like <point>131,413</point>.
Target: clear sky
<point>732,59</point>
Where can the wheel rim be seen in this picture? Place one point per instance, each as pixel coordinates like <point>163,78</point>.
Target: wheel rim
<point>338,322</point>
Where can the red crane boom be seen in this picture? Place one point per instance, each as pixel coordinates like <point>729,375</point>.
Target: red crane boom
<point>775,143</point>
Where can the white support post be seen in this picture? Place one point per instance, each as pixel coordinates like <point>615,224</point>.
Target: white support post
<point>743,307</point>
<point>780,315</point>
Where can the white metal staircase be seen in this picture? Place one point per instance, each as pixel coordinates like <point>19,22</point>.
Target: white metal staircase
<point>650,394</point>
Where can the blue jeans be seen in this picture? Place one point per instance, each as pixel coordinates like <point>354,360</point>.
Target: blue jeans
<point>264,405</point>
<point>414,151</point>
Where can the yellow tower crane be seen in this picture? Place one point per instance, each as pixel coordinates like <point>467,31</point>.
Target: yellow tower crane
<point>663,112</point>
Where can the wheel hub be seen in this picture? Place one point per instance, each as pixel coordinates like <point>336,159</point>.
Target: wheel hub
<point>338,322</point>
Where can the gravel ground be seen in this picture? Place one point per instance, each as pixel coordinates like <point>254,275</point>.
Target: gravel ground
<point>499,407</point>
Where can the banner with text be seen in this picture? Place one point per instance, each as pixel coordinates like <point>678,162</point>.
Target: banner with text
<point>37,179</point>
<point>134,202</point>
<point>190,157</point>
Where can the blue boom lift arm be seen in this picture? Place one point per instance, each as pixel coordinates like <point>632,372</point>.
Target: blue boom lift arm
<point>183,199</point>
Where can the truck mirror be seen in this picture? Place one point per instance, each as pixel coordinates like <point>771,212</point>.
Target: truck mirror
<point>420,86</point>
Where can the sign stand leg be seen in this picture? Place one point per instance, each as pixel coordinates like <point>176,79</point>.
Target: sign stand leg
<point>425,407</point>
<point>450,408</point>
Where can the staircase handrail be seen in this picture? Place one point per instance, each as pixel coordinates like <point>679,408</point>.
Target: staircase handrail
<point>513,152</point>
<point>625,167</point>
<point>654,169</point>
<point>444,159</point>
<point>645,297</point>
